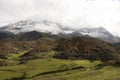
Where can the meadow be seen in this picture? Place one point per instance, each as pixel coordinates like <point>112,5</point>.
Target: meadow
<point>34,67</point>
<point>49,68</point>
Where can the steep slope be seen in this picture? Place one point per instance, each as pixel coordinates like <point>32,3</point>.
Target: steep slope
<point>96,32</point>
<point>33,35</point>
<point>67,48</point>
<point>8,48</point>
<point>40,26</point>
<point>100,33</point>
<point>20,45</point>
<point>85,48</point>
<point>4,35</point>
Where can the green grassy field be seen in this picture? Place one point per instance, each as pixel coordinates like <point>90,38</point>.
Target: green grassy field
<point>34,68</point>
<point>57,69</point>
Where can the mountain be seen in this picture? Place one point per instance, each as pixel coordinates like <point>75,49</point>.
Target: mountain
<point>85,48</point>
<point>73,48</point>
<point>40,26</point>
<point>4,35</point>
<point>100,33</point>
<point>40,36</point>
<point>26,26</point>
<point>96,32</point>
<point>32,35</point>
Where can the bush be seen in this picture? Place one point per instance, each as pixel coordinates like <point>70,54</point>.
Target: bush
<point>2,56</point>
<point>117,63</point>
<point>4,62</point>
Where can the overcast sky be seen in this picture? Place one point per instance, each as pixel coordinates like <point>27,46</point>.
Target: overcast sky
<point>75,13</point>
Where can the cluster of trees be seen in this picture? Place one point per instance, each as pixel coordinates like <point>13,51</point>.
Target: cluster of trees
<point>42,45</point>
<point>66,48</point>
<point>4,62</point>
<point>7,48</point>
<point>85,48</point>
<point>15,43</point>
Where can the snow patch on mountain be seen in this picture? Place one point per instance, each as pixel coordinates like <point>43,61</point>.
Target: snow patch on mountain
<point>96,32</point>
<point>40,26</point>
<point>54,28</point>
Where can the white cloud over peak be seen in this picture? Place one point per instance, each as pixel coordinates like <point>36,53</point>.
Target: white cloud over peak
<point>75,13</point>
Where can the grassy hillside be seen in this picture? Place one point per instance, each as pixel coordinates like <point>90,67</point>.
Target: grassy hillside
<point>56,69</point>
<point>67,48</point>
<point>79,58</point>
<point>36,67</point>
<point>106,73</point>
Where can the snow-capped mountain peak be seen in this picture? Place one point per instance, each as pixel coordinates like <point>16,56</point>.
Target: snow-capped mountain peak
<point>40,26</point>
<point>96,32</point>
<point>55,28</point>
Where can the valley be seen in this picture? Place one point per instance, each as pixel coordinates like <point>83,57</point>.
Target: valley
<point>84,54</point>
<point>59,39</point>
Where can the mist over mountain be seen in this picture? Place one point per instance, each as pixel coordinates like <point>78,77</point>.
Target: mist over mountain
<point>54,28</point>
<point>74,13</point>
<point>59,39</point>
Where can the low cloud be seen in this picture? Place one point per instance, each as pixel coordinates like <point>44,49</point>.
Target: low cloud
<point>74,13</point>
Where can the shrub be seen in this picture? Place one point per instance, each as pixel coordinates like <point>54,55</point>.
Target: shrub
<point>4,62</point>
